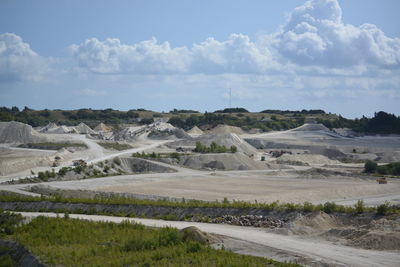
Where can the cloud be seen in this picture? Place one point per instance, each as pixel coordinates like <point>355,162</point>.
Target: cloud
<point>18,61</point>
<point>314,40</point>
<point>146,57</point>
<point>316,35</point>
<point>236,55</point>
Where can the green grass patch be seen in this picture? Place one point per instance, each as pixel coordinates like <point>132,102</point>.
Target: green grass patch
<point>52,146</point>
<point>328,207</point>
<point>115,146</point>
<point>71,242</point>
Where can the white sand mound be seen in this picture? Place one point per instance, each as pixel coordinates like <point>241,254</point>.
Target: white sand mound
<point>17,132</point>
<point>160,126</point>
<point>227,129</point>
<point>221,161</point>
<point>311,127</point>
<point>49,127</point>
<point>314,223</point>
<point>229,140</point>
<point>157,130</point>
<point>62,130</point>
<point>312,159</point>
<point>84,129</point>
<point>103,128</point>
<point>195,131</point>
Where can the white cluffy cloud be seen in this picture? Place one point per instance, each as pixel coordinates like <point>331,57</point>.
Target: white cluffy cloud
<point>147,57</point>
<point>18,61</point>
<point>237,54</point>
<point>316,35</point>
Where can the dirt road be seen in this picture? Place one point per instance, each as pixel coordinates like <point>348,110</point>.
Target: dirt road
<point>316,252</point>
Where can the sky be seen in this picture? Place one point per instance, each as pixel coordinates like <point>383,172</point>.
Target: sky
<point>342,56</point>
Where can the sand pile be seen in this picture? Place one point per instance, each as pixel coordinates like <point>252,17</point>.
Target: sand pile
<point>315,222</point>
<point>310,159</point>
<point>53,128</point>
<point>62,130</point>
<point>101,127</point>
<point>164,130</point>
<point>377,240</point>
<point>17,132</point>
<point>157,130</point>
<point>221,161</point>
<point>195,131</point>
<point>229,140</point>
<point>161,126</point>
<point>49,127</point>
<point>226,129</point>
<point>84,129</point>
<point>311,127</point>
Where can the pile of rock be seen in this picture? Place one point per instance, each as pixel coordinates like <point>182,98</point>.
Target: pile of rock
<point>250,220</point>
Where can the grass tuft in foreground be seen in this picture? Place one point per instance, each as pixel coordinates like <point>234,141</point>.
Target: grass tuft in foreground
<point>71,242</point>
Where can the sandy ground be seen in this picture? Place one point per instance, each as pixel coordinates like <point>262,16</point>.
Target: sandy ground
<point>260,185</point>
<point>260,242</point>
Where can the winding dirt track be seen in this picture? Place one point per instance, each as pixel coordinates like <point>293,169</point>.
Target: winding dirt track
<point>318,252</point>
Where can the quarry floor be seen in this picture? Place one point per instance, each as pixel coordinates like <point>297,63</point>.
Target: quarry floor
<point>260,185</point>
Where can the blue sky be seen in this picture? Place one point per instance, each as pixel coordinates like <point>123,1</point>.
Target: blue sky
<point>340,56</point>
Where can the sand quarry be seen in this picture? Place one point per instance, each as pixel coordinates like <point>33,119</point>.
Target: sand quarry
<point>298,165</point>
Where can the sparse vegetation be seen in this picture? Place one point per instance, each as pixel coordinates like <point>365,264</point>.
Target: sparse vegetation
<point>387,169</point>
<point>143,155</point>
<point>213,148</point>
<point>115,146</point>
<point>328,207</point>
<point>52,146</point>
<point>72,242</point>
<point>370,166</point>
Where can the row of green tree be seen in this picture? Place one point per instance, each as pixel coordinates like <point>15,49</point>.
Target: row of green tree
<point>69,117</point>
<point>213,148</point>
<point>239,120</point>
<point>381,123</point>
<point>386,169</point>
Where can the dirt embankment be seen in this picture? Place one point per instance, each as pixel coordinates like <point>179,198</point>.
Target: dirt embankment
<point>221,161</point>
<point>137,165</point>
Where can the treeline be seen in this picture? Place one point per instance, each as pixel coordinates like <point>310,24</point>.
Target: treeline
<point>177,111</point>
<point>304,111</point>
<point>243,121</point>
<point>70,117</point>
<point>386,169</point>
<point>232,110</point>
<point>381,123</point>
<point>213,148</point>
